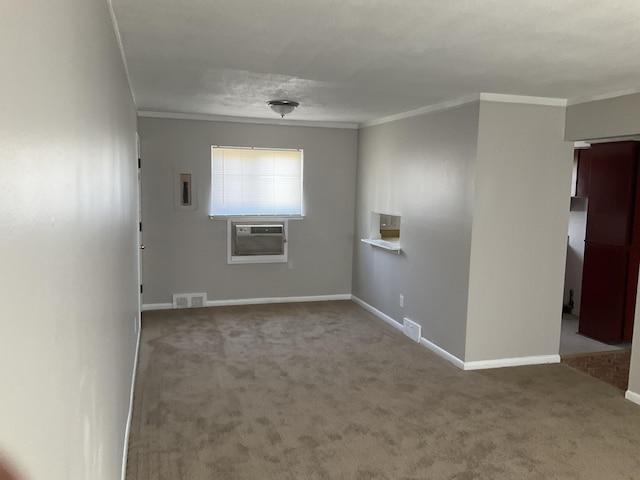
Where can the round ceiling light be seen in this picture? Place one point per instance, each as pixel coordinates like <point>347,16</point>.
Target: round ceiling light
<point>282,107</point>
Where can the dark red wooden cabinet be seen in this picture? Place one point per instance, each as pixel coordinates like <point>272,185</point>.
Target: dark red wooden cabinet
<point>612,243</point>
<point>603,292</point>
<point>584,172</point>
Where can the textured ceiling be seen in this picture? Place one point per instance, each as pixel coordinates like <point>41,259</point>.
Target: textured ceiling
<point>360,60</point>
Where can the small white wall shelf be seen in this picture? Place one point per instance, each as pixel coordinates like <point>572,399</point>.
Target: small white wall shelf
<point>384,244</point>
<point>384,232</point>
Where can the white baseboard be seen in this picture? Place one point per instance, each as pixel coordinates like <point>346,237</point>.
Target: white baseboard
<point>127,430</point>
<point>511,362</point>
<point>488,364</point>
<point>156,306</point>
<point>441,352</point>
<point>256,301</point>
<point>477,365</point>
<point>632,396</point>
<point>378,313</point>
<point>263,301</point>
<point>399,326</point>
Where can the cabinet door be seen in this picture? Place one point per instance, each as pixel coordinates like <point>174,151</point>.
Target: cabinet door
<point>604,281</point>
<point>611,192</point>
<point>584,173</point>
<point>632,288</point>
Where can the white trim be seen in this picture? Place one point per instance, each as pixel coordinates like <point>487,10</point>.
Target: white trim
<point>266,149</point>
<point>397,325</point>
<point>523,99</point>
<point>380,243</point>
<point>383,316</point>
<point>486,97</point>
<point>255,218</point>
<point>423,110</point>
<point>441,352</point>
<point>626,138</point>
<point>263,301</point>
<point>512,362</point>
<point>632,396</point>
<point>116,30</point>
<point>230,119</point>
<point>156,306</point>
<point>125,451</point>
<point>604,96</point>
<point>256,301</point>
<point>477,365</point>
<point>139,290</point>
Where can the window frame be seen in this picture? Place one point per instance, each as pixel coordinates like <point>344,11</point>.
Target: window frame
<point>262,216</point>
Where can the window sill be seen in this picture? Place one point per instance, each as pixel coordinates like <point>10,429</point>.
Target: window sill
<point>393,246</point>
<point>239,260</point>
<point>256,218</point>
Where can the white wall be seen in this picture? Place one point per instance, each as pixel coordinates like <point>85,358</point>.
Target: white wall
<point>483,191</point>
<point>67,247</point>
<point>420,168</point>
<point>187,252</point>
<point>520,215</point>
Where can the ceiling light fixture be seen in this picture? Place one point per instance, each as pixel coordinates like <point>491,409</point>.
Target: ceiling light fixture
<point>282,107</point>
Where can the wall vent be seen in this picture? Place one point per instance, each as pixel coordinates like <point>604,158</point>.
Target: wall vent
<point>411,329</point>
<point>189,300</point>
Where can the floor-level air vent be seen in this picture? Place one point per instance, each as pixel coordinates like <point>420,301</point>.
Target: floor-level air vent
<point>189,300</point>
<point>412,329</point>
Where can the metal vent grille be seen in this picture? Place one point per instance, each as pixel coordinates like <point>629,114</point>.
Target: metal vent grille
<point>197,301</point>
<point>263,239</point>
<point>189,300</point>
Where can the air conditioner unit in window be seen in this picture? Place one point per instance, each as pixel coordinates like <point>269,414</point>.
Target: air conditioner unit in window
<point>257,241</point>
<point>263,239</point>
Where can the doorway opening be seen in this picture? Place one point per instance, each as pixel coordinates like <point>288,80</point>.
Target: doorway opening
<point>603,255</point>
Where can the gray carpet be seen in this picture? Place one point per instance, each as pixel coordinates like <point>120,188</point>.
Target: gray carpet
<point>328,391</point>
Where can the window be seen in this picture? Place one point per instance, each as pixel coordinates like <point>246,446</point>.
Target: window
<point>256,182</point>
<point>385,232</point>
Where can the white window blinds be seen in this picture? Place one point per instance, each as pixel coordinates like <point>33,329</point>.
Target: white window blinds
<point>252,181</point>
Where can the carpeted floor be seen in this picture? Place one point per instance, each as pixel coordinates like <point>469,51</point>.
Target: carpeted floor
<point>611,367</point>
<point>327,391</point>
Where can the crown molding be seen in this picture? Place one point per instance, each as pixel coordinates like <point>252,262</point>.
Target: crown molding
<point>604,96</point>
<point>116,30</point>
<point>483,97</point>
<point>627,138</point>
<point>523,99</point>
<point>259,121</point>
<point>423,110</point>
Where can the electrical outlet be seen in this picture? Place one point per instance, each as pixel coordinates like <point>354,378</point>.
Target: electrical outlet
<point>401,301</point>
